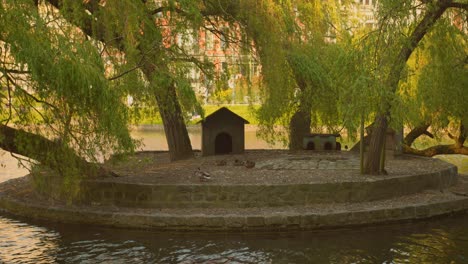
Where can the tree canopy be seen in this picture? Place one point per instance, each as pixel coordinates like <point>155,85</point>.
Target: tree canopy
<point>68,65</point>
<point>57,106</point>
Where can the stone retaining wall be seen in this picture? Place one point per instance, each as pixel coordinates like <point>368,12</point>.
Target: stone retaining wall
<point>241,196</point>
<point>300,220</point>
<point>17,197</point>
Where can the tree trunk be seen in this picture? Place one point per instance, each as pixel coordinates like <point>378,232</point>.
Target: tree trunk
<point>299,126</point>
<point>177,137</point>
<point>49,153</point>
<point>361,145</point>
<point>417,132</point>
<point>456,148</point>
<point>378,136</point>
<point>376,144</point>
<point>463,133</point>
<point>437,150</point>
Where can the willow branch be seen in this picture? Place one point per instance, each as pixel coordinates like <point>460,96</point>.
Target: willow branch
<point>459,5</point>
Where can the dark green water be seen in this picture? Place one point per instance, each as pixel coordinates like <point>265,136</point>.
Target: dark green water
<point>437,241</point>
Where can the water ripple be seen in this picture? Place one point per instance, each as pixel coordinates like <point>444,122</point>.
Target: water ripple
<point>441,242</point>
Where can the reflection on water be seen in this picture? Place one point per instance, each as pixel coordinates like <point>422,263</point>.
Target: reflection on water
<point>442,241</point>
<point>439,246</point>
<point>24,243</point>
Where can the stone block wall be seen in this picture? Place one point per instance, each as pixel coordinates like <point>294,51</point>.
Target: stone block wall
<point>242,196</point>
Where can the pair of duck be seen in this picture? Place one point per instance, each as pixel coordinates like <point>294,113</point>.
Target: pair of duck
<point>247,163</point>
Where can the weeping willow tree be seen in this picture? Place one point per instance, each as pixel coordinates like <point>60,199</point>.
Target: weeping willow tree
<point>324,81</point>
<point>138,40</point>
<point>402,26</point>
<point>57,107</point>
<point>146,40</point>
<point>292,42</point>
<point>307,91</point>
<point>144,37</point>
<point>289,37</point>
<point>434,89</point>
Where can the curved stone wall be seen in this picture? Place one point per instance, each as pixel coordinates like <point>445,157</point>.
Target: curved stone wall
<point>266,207</point>
<point>242,196</point>
<point>256,219</point>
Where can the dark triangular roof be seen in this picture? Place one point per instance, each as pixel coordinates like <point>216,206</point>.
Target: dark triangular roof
<point>223,110</point>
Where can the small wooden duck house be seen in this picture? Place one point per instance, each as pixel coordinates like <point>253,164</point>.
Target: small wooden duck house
<point>223,133</point>
<point>321,142</point>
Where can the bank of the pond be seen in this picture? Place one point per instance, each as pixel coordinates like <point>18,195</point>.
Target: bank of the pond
<point>285,191</point>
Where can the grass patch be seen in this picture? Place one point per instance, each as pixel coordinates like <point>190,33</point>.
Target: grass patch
<point>149,119</point>
<point>154,118</point>
<point>461,161</point>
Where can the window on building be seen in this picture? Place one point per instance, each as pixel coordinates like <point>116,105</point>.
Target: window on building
<point>190,41</point>
<point>195,44</point>
<point>209,40</point>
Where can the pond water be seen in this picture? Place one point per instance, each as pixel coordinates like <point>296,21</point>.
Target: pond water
<point>438,241</point>
<point>442,240</point>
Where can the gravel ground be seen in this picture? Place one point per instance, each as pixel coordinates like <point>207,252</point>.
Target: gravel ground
<point>269,167</point>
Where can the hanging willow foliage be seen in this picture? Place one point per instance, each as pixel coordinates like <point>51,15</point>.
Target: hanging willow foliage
<point>435,86</point>
<point>308,63</point>
<point>55,94</point>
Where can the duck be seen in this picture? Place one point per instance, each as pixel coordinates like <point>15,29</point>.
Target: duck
<point>202,175</point>
<point>249,164</point>
<point>238,162</point>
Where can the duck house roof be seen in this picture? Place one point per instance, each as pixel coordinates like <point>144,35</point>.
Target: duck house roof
<point>223,111</point>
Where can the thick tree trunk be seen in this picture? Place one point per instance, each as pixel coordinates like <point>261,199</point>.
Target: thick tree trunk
<point>463,134</point>
<point>49,153</point>
<point>378,136</point>
<point>177,137</point>
<point>417,132</point>
<point>178,140</point>
<point>299,126</point>
<point>456,148</point>
<point>300,122</point>
<point>376,145</point>
<point>437,150</point>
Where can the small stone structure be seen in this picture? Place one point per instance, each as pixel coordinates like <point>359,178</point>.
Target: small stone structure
<point>392,137</point>
<point>390,140</point>
<point>223,133</point>
<point>321,142</point>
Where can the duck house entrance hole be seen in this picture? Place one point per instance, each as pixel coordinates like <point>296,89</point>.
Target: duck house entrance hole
<point>310,146</point>
<point>223,143</point>
<point>328,146</point>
